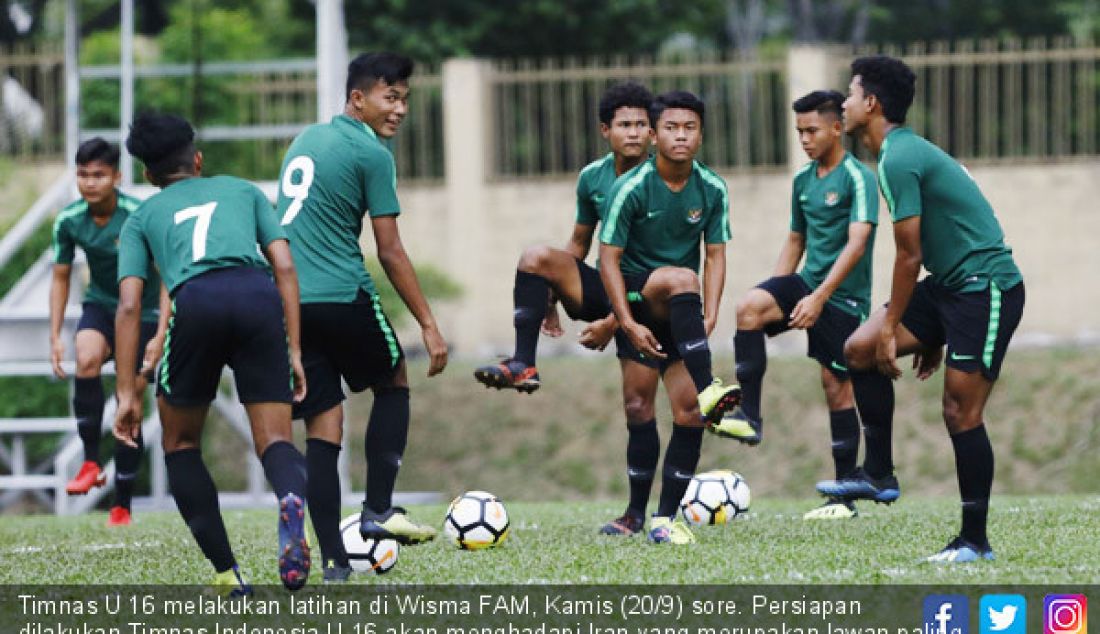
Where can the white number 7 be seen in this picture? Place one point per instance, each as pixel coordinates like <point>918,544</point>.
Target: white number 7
<point>202,225</point>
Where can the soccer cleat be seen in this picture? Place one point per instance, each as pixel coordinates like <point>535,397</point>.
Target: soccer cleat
<point>118,516</point>
<point>230,583</point>
<point>860,486</point>
<point>336,574</point>
<point>716,399</point>
<point>666,530</point>
<point>833,509</point>
<point>628,524</point>
<point>90,475</point>
<point>509,374</point>
<point>739,427</point>
<point>961,551</point>
<point>393,524</point>
<point>293,547</point>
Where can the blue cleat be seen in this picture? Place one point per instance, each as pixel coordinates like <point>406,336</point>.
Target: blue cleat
<point>961,551</point>
<point>293,547</point>
<point>860,486</point>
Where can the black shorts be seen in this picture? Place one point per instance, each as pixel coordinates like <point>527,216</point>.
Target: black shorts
<point>99,318</point>
<point>354,341</point>
<point>661,329</point>
<point>825,339</point>
<point>231,317</point>
<point>594,302</point>
<point>976,326</point>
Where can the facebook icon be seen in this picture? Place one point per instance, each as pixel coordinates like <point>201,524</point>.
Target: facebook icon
<point>946,614</point>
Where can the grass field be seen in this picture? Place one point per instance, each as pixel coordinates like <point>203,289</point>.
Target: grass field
<point>1041,539</point>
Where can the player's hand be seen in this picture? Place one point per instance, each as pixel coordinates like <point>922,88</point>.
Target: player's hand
<point>596,335</point>
<point>128,419</point>
<point>807,311</point>
<point>551,324</point>
<point>299,372</point>
<point>644,341</point>
<point>437,350</point>
<point>886,353</point>
<point>927,361</point>
<point>57,353</point>
<point>153,351</point>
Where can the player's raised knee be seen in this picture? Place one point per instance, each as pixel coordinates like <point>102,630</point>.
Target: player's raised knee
<point>534,259</point>
<point>677,279</point>
<point>859,352</point>
<point>749,314</point>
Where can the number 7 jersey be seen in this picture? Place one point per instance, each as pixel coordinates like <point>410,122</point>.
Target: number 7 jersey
<point>332,175</point>
<point>197,225</point>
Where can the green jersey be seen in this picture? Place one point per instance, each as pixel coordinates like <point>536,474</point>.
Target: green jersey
<point>332,174</point>
<point>593,185</point>
<point>197,225</point>
<point>75,227</point>
<point>822,208</point>
<point>658,227</point>
<point>962,243</point>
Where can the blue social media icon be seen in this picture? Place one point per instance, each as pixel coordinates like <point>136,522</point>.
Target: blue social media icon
<point>1003,614</point>
<point>946,614</point>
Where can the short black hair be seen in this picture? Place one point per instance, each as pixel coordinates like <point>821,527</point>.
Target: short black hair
<point>97,149</point>
<point>368,68</point>
<point>890,80</point>
<point>628,94</point>
<point>163,142</point>
<point>676,99</point>
<point>819,101</point>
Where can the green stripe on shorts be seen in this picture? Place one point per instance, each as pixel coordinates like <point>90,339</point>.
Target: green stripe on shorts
<point>167,351</point>
<point>391,340</point>
<point>994,324</point>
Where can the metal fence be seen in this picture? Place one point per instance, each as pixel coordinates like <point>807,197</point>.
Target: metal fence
<point>1005,100</point>
<point>32,81</point>
<point>546,120</point>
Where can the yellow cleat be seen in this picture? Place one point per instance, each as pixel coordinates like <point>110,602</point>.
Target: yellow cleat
<point>665,530</point>
<point>230,583</point>
<point>717,399</point>
<point>393,524</point>
<point>833,509</point>
<point>737,426</point>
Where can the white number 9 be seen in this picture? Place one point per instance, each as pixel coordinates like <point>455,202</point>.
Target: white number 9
<point>297,191</point>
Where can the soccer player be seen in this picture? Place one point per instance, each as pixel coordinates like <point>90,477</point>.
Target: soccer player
<point>205,236</point>
<point>834,209</point>
<point>333,175</point>
<point>657,213</point>
<point>972,299</point>
<point>624,122</point>
<point>94,223</point>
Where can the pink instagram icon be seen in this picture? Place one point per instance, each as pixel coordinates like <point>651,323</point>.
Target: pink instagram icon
<point>1065,614</point>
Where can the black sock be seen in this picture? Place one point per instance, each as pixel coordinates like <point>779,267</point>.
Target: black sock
<point>127,463</point>
<point>974,467</point>
<point>197,500</point>
<point>285,468</point>
<point>874,393</point>
<point>643,447</point>
<point>844,425</point>
<point>685,315</point>
<point>752,362</point>
<point>387,433</point>
<point>323,494</point>
<point>88,400</point>
<point>530,294</point>
<point>681,458</point>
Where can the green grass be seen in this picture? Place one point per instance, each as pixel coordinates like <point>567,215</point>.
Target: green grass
<point>1038,540</point>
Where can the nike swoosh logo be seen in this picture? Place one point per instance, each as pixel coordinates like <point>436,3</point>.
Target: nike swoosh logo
<point>652,213</point>
<point>680,475</point>
<point>695,346</point>
<point>837,366</point>
<point>962,357</point>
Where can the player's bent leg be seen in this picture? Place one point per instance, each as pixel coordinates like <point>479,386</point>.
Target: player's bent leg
<point>756,310</point>
<point>88,401</point>
<point>323,445</point>
<point>681,457</point>
<point>844,429</point>
<point>643,444</point>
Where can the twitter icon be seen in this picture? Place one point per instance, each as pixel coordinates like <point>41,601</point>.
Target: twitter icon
<point>1003,614</point>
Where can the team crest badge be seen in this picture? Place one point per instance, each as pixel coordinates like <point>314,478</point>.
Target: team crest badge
<point>832,198</point>
<point>695,215</point>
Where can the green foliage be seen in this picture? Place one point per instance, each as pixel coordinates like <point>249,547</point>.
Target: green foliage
<point>25,257</point>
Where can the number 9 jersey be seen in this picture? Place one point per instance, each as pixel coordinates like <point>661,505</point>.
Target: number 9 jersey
<point>333,173</point>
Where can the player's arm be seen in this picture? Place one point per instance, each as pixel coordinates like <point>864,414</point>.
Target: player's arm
<point>809,308</point>
<point>59,296</point>
<point>611,257</point>
<point>155,348</point>
<point>714,280</point>
<point>790,254</point>
<point>907,265</point>
<point>127,333</point>
<point>286,280</point>
<point>395,261</point>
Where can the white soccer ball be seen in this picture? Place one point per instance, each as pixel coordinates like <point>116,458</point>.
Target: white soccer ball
<point>475,520</point>
<point>372,555</point>
<point>714,497</point>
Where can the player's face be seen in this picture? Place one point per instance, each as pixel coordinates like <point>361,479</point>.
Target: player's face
<point>818,133</point>
<point>856,107</point>
<point>382,106</point>
<point>96,181</point>
<point>629,132</point>
<point>679,134</point>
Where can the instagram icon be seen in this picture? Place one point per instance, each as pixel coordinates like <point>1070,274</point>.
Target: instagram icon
<point>1065,614</point>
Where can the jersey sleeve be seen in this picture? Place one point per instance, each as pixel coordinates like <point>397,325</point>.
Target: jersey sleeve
<point>134,257</point>
<point>587,212</point>
<point>899,179</point>
<point>863,192</point>
<point>717,230</point>
<point>798,216</point>
<point>268,228</point>
<point>64,247</point>
<point>380,184</point>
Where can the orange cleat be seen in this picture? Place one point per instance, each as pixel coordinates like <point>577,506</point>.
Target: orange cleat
<point>118,516</point>
<point>90,475</point>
